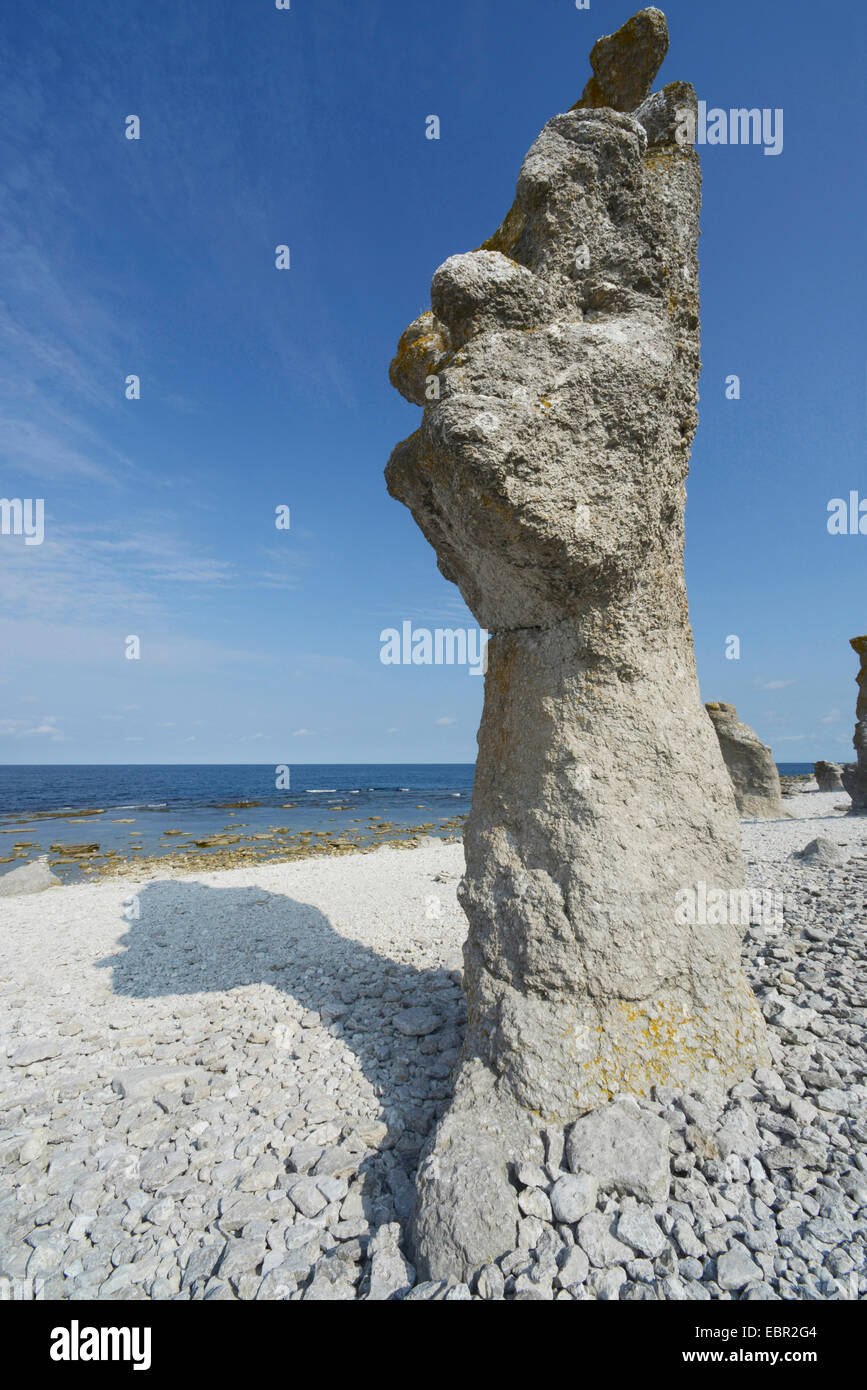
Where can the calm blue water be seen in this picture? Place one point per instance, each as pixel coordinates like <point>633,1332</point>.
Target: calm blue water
<point>194,786</point>
<point>138,804</point>
<point>190,786</point>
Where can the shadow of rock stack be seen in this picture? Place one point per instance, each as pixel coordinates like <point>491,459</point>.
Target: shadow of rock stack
<point>558,369</point>
<point>750,765</point>
<point>855,774</point>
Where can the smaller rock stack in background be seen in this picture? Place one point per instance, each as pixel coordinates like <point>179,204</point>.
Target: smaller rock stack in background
<point>750,764</point>
<point>855,776</point>
<point>828,776</point>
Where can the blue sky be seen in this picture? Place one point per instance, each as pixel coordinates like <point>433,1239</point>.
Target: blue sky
<point>262,388</point>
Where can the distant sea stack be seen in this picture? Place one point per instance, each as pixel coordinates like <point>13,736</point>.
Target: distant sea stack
<point>828,776</point>
<point>558,369</point>
<point>750,764</point>
<point>855,776</point>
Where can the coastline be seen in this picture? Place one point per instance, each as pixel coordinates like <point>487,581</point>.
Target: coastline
<point>88,843</point>
<point>195,816</point>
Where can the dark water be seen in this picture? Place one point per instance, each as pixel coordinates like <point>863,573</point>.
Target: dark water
<point>188,786</point>
<point>138,804</point>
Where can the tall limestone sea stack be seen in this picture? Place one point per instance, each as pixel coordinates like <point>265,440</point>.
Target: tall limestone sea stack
<point>750,764</point>
<point>855,776</point>
<point>558,368</point>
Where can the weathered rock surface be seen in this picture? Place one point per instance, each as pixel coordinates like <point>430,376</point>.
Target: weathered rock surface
<point>30,878</point>
<point>624,64</point>
<point>822,851</point>
<point>750,764</point>
<point>573,1196</point>
<point>558,368</point>
<point>624,1148</point>
<point>735,1269</point>
<point>829,776</point>
<point>466,1209</point>
<point>855,778</point>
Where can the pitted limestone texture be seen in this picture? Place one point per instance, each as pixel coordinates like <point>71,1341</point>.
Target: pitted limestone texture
<point>549,476</point>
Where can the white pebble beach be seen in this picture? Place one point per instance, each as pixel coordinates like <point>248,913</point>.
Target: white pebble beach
<point>217,1085</point>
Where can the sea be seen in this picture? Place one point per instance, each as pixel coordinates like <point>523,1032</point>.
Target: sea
<point>135,805</point>
<point>127,808</point>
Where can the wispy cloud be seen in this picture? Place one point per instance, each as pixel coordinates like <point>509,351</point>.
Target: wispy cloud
<point>56,645</point>
<point>46,453</point>
<point>167,559</point>
<point>283,569</point>
<point>61,344</point>
<point>446,610</point>
<point>18,728</point>
<point>85,570</point>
